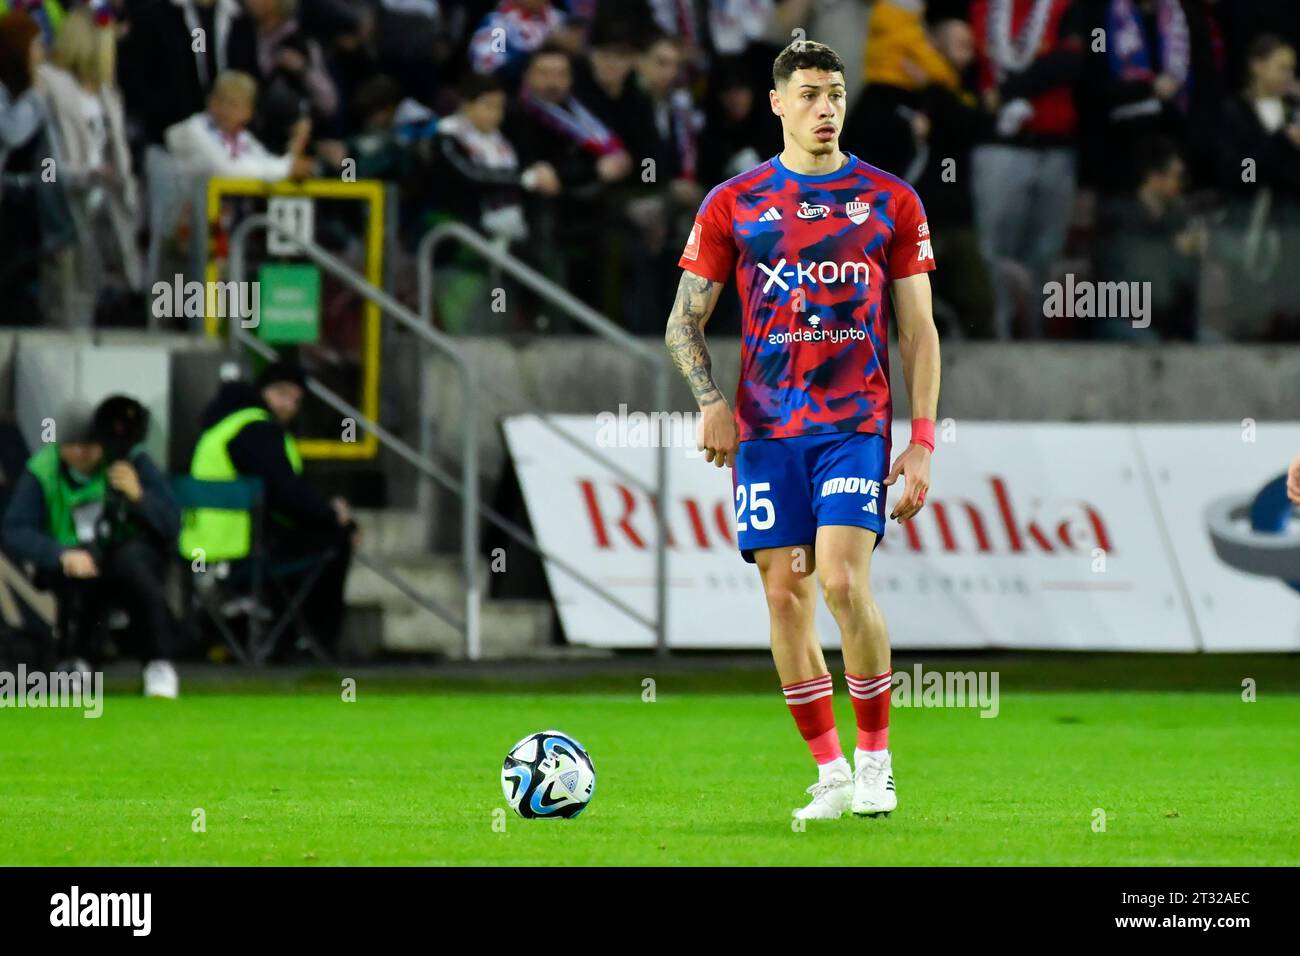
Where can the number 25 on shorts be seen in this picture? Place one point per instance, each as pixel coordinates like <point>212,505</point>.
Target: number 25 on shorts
<point>761,511</point>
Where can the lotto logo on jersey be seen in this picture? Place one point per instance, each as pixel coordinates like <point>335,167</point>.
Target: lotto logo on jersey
<point>816,211</point>
<point>783,275</point>
<point>692,250</point>
<point>854,486</point>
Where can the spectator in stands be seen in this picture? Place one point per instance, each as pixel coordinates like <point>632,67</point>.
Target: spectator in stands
<point>95,518</point>
<point>27,206</point>
<point>163,42</point>
<point>217,142</point>
<point>547,123</point>
<point>1149,236</point>
<point>737,134</point>
<point>1258,162</point>
<point>504,43</point>
<point>94,166</point>
<point>293,73</point>
<point>602,80</point>
<point>479,176</point>
<point>666,132</point>
<point>918,119</point>
<point>1023,179</point>
<point>246,433</point>
<point>472,172</point>
<point>1159,75</point>
<point>22,108</point>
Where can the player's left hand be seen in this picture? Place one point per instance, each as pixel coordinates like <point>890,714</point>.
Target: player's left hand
<point>1293,481</point>
<point>914,465</point>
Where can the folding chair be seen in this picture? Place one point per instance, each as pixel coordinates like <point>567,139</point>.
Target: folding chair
<point>226,590</point>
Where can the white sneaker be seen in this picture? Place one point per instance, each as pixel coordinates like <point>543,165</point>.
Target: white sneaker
<point>873,785</point>
<point>160,680</point>
<point>830,797</point>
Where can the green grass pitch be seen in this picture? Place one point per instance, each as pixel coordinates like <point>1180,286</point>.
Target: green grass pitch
<point>694,778</point>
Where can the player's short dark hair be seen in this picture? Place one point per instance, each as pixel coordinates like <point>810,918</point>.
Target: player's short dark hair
<point>805,55</point>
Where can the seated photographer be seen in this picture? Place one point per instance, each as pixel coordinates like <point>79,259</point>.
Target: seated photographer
<point>245,433</point>
<point>95,517</point>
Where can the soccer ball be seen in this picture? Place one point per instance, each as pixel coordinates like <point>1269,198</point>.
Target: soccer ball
<point>548,774</point>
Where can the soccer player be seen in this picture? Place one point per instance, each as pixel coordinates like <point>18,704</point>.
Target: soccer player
<point>818,241</point>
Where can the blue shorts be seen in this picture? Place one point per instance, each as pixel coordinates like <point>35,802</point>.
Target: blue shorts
<point>786,488</point>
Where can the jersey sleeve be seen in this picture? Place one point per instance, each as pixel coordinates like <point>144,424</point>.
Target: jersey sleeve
<point>711,249</point>
<point>910,251</point>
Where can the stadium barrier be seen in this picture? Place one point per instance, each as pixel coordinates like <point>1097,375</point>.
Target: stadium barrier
<point>1034,536</point>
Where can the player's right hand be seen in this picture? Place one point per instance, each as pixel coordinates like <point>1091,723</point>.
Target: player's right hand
<point>718,438</point>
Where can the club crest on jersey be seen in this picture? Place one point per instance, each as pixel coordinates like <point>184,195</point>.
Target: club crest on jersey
<point>807,211</point>
<point>858,212</point>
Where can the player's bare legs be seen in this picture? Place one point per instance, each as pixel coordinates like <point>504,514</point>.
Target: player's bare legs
<point>791,592</point>
<point>843,561</point>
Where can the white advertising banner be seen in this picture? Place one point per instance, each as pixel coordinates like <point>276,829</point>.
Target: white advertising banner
<point>1045,536</point>
<point>1199,472</point>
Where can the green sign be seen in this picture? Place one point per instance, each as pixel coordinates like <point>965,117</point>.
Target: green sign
<point>288,298</point>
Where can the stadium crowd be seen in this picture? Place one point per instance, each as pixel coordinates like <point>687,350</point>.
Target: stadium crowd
<point>1105,140</point>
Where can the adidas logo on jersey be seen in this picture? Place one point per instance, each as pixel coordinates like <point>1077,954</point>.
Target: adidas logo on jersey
<point>771,215</point>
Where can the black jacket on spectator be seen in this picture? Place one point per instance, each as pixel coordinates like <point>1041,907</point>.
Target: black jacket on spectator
<point>466,188</point>
<point>258,450</point>
<point>628,115</point>
<point>534,142</point>
<point>1242,135</point>
<point>159,45</point>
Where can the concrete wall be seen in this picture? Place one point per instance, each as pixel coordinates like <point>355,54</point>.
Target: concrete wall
<point>981,381</point>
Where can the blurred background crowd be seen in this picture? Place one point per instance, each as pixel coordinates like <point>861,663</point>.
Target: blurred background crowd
<point>1108,140</point>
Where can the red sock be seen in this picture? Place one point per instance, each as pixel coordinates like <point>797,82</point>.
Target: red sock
<point>871,707</point>
<point>810,703</point>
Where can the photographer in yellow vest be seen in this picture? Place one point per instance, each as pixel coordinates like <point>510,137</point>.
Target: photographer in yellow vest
<point>95,518</point>
<point>246,434</point>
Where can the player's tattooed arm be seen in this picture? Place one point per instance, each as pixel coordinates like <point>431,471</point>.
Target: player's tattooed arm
<point>696,297</point>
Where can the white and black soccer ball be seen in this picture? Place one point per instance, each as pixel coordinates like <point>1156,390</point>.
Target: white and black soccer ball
<point>548,774</point>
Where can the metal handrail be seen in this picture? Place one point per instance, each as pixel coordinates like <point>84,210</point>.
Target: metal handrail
<point>471,623</point>
<point>599,324</point>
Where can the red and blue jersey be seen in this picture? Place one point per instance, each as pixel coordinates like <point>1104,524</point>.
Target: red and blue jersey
<point>813,257</point>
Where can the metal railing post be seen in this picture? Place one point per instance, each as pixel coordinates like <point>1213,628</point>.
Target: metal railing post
<point>429,336</point>
<point>662,398</point>
<point>657,362</point>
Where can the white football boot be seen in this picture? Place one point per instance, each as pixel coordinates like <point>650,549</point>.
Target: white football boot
<point>831,796</point>
<point>160,680</point>
<point>873,785</point>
